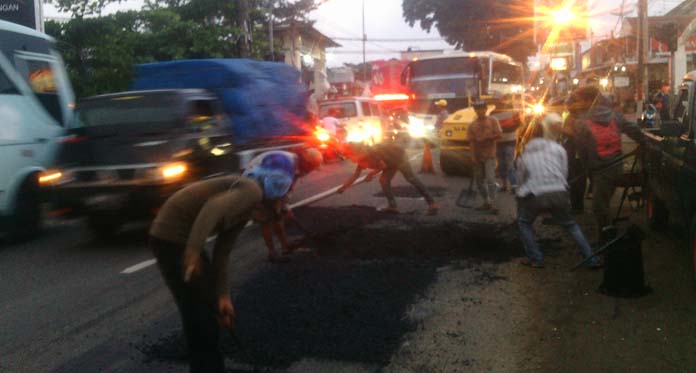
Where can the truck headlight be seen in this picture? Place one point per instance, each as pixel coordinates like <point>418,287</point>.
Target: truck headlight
<point>55,177</point>
<point>50,177</point>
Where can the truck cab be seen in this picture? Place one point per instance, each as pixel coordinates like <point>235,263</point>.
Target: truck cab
<point>126,153</point>
<point>36,102</point>
<point>671,166</point>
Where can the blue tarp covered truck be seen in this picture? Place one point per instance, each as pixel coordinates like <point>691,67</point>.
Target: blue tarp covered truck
<point>127,152</point>
<point>265,101</point>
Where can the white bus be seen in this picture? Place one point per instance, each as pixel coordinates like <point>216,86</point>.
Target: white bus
<point>459,78</point>
<point>36,102</point>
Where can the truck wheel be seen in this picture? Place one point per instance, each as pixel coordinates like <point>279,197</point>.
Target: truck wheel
<point>658,216</point>
<point>102,226</point>
<point>453,163</point>
<point>448,163</point>
<point>26,220</point>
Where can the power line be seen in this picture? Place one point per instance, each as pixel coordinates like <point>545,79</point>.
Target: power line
<point>389,40</point>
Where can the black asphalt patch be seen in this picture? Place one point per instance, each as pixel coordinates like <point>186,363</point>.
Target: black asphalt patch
<point>346,299</point>
<point>327,309</point>
<point>407,191</point>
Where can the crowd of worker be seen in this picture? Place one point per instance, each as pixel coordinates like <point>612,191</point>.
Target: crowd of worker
<point>545,163</point>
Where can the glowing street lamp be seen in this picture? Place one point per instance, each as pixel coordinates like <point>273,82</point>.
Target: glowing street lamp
<point>563,16</point>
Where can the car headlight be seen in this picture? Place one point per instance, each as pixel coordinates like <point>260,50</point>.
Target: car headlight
<point>416,127</point>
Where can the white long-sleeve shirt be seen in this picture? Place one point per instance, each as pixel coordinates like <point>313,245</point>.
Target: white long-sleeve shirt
<point>542,168</point>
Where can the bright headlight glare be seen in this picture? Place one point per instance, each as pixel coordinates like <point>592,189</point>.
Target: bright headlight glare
<point>538,109</point>
<point>323,136</point>
<point>174,170</point>
<point>50,177</point>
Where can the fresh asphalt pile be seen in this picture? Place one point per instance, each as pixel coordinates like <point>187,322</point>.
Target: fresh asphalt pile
<point>345,298</point>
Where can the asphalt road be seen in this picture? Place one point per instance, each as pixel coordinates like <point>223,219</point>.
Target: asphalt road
<point>70,302</point>
<point>371,292</point>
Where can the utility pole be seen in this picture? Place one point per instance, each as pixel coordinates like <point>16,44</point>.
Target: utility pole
<point>243,24</point>
<point>363,43</point>
<point>643,40</point>
<point>270,33</point>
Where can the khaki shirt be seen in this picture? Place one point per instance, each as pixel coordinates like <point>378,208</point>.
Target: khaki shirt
<point>483,135</point>
<point>204,208</point>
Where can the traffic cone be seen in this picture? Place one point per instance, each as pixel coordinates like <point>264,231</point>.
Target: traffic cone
<point>427,166</point>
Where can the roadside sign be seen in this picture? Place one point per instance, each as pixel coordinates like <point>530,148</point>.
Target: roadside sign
<point>24,12</point>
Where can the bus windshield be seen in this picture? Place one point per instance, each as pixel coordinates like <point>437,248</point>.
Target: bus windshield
<point>454,79</point>
<point>444,66</point>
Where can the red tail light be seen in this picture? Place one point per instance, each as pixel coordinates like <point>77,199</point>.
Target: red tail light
<point>71,139</point>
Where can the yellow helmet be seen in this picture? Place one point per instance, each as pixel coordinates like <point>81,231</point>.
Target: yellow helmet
<point>441,103</point>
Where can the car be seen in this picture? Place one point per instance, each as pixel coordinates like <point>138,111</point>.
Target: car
<point>126,153</point>
<point>360,118</point>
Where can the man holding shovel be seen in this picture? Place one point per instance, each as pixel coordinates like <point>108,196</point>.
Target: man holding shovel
<point>220,206</point>
<point>387,158</point>
<point>483,133</point>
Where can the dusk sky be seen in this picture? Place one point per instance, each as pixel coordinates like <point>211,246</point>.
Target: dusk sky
<point>383,20</point>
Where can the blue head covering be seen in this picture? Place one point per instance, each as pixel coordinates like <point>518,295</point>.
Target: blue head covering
<point>274,183</point>
<point>279,162</point>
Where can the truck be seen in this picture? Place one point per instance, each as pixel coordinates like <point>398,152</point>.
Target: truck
<point>127,152</point>
<point>36,104</point>
<point>461,78</point>
<point>670,167</point>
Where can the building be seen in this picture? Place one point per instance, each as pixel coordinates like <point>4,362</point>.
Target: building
<point>304,48</point>
<point>411,54</point>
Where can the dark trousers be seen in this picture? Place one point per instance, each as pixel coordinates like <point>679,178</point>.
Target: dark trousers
<point>604,184</point>
<point>197,303</point>
<point>578,186</point>
<point>406,170</point>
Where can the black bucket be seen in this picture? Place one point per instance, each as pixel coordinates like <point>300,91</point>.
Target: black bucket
<point>623,273</point>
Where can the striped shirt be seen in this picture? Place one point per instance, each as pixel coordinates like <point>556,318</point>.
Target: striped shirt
<point>542,168</point>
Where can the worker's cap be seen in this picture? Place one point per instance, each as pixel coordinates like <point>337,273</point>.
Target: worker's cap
<point>310,160</point>
<point>480,104</point>
<point>441,103</point>
<point>275,183</point>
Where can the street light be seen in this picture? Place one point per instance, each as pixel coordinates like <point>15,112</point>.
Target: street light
<point>563,16</point>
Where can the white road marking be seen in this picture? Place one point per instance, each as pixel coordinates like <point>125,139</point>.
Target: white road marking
<point>139,266</point>
<point>326,193</point>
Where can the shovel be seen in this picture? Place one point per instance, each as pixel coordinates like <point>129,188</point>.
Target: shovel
<point>602,249</point>
<point>465,199</point>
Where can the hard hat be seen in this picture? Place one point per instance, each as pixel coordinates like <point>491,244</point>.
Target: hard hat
<point>480,104</point>
<point>441,103</point>
<point>310,160</point>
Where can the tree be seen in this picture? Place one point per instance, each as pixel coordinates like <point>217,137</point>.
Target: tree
<point>503,26</point>
<point>100,52</point>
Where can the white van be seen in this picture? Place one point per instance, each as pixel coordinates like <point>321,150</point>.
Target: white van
<point>36,102</point>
